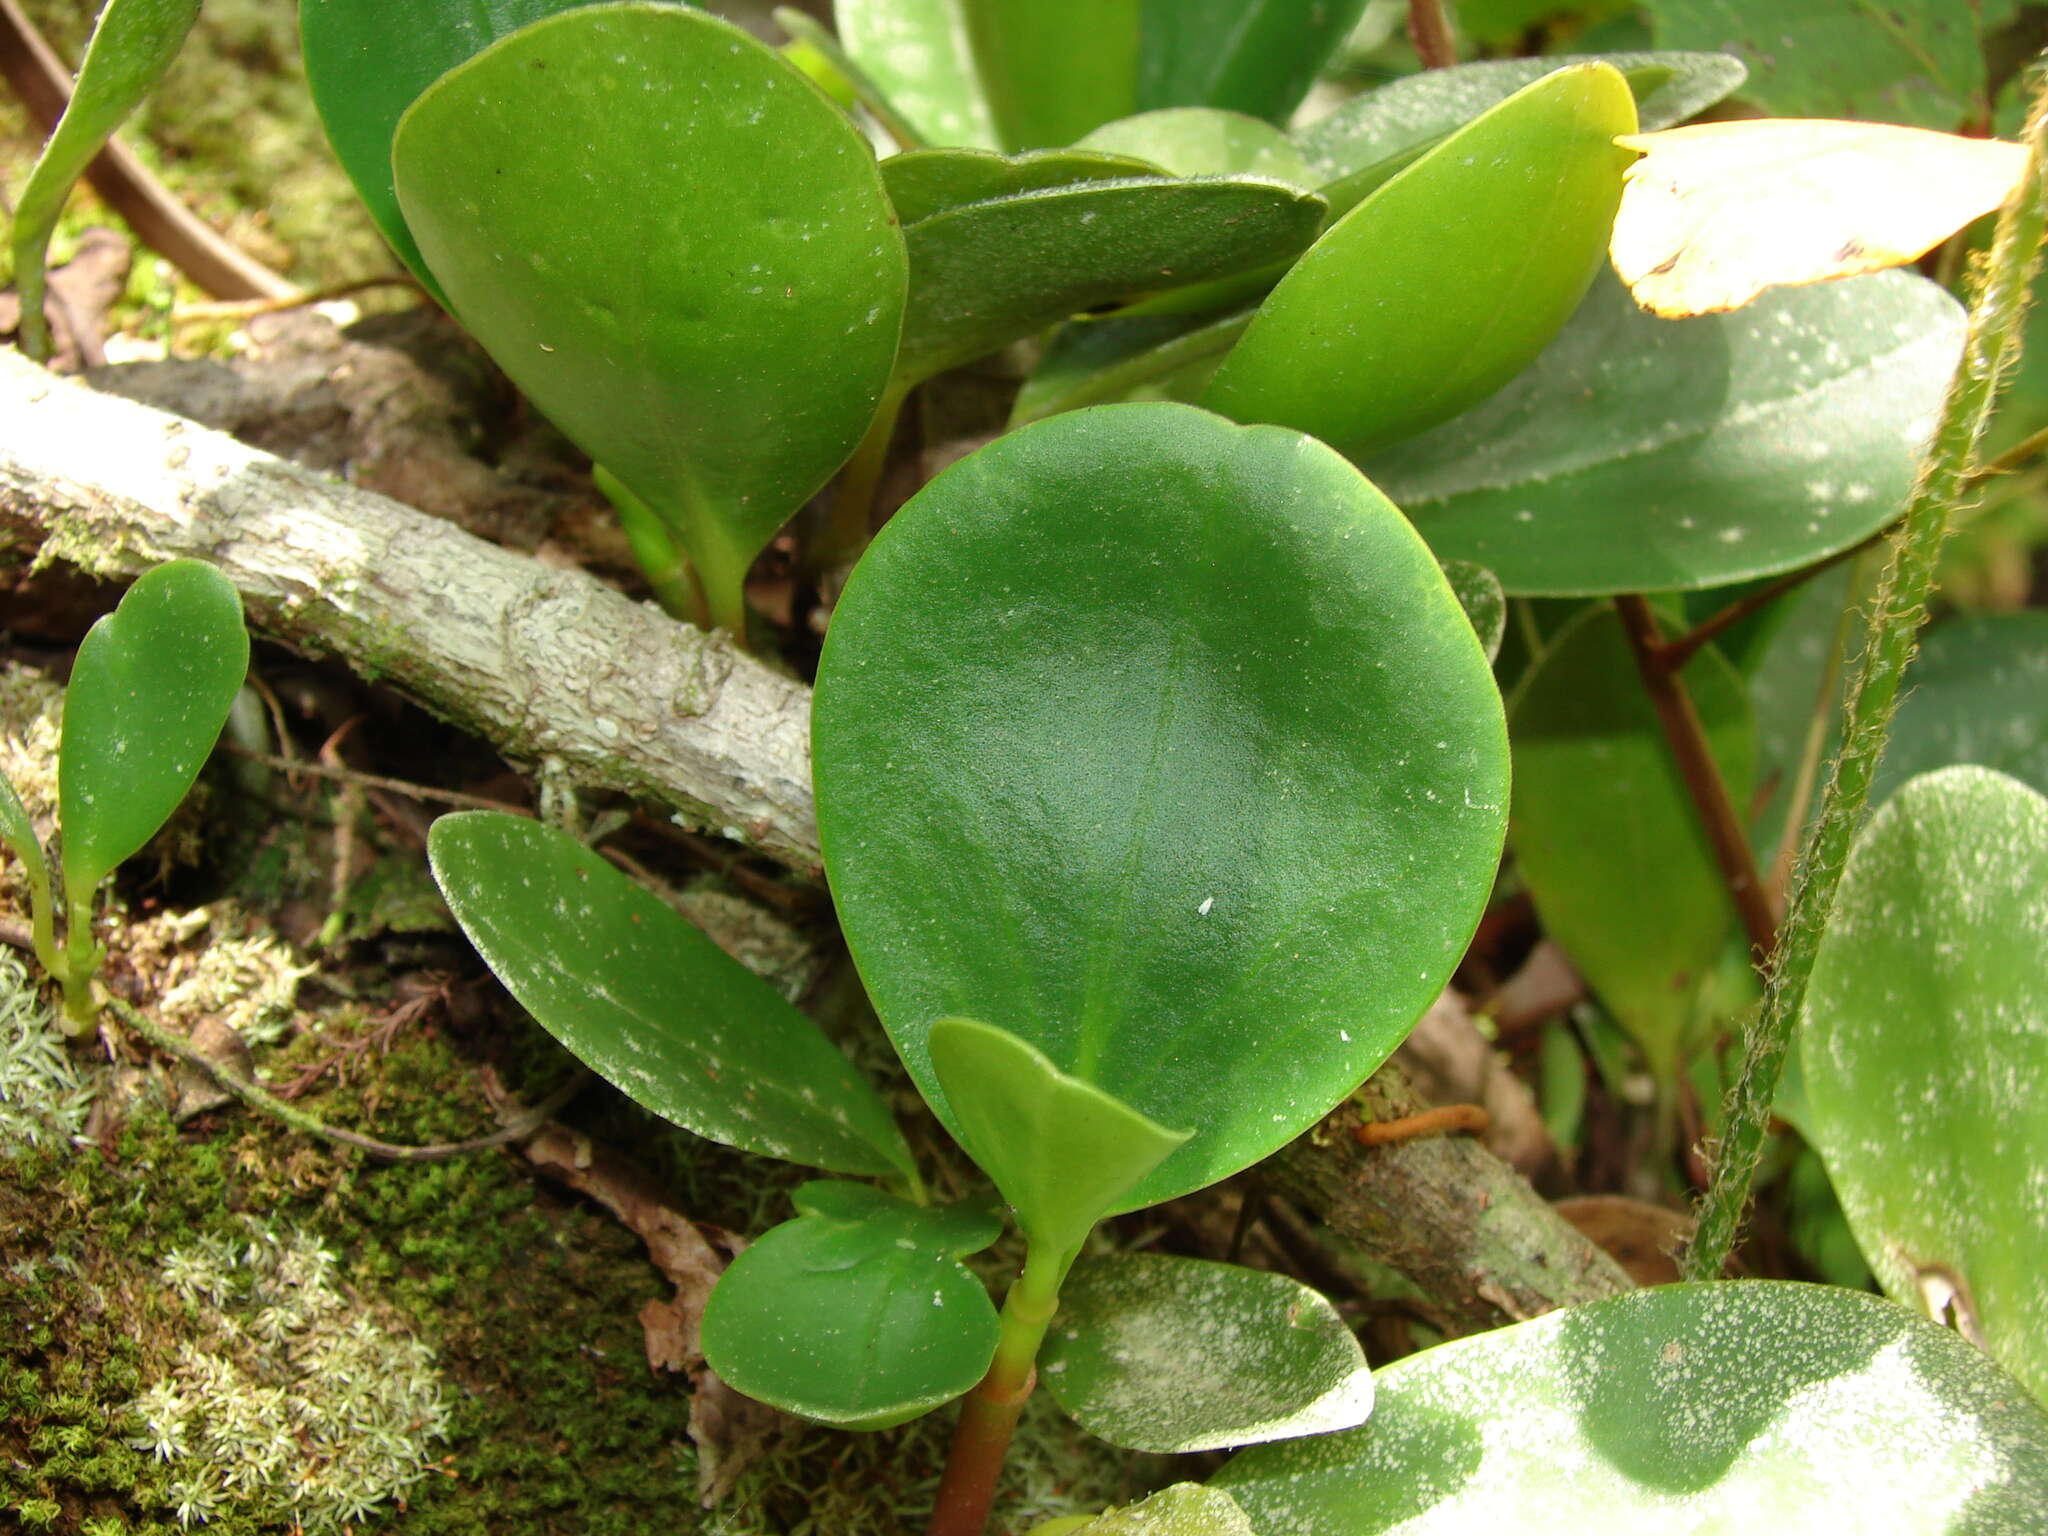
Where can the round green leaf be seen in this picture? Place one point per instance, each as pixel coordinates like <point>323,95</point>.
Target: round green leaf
<point>368,60</point>
<point>695,271</point>
<point>989,273</point>
<point>1162,744</point>
<point>1204,141</point>
<point>1690,1410</point>
<point>858,1313</point>
<point>149,693</point>
<point>1157,1353</point>
<point>1253,56</point>
<point>1647,455</point>
<point>1447,281</point>
<point>925,182</point>
<point>656,1008</point>
<point>1975,697</point>
<point>1925,1044</point>
<point>1605,834</point>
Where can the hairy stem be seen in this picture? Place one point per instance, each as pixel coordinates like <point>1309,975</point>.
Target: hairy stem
<point>1897,609</point>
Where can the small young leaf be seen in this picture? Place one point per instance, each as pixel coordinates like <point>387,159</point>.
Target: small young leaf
<point>1605,835</point>
<point>651,1003</point>
<point>1925,1046</point>
<point>1156,1353</point>
<point>927,182</point>
<point>19,834</point>
<point>1253,56</point>
<point>133,43</point>
<point>1447,281</point>
<point>857,1313</point>
<point>1061,1150</point>
<point>1687,1408</point>
<point>149,694</point>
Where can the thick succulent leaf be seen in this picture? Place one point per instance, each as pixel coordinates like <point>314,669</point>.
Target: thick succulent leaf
<point>656,1008</point>
<point>1157,1353</point>
<point>919,53</point>
<point>990,273</point>
<point>695,272</point>
<point>1204,141</point>
<point>1185,1509</point>
<point>1216,868</point>
<point>1061,1150</point>
<point>1916,61</point>
<point>368,60</point>
<point>1396,118</point>
<point>149,693</point>
<point>1053,69</point>
<point>1479,594</point>
<point>858,1313</point>
<point>1976,696</point>
<point>133,43</point>
<point>1605,835</point>
<point>1690,1410</point>
<point>1099,362</point>
<point>1447,281</point>
<point>1925,1043</point>
<point>1254,56</point>
<point>1646,455</point>
<point>926,182</point>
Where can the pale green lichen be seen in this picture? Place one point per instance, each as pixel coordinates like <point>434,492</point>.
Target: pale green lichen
<point>44,1094</point>
<point>203,966</point>
<point>288,1401</point>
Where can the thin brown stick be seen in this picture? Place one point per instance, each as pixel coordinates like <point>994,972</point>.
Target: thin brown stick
<point>1445,1120</point>
<point>159,220</point>
<point>1674,653</point>
<point>1431,33</point>
<point>355,776</point>
<point>1703,781</point>
<point>248,309</point>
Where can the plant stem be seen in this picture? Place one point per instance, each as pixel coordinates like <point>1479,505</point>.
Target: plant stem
<point>1431,34</point>
<point>81,960</point>
<point>1897,609</point>
<point>1678,650</point>
<point>852,521</point>
<point>988,1414</point>
<point>1687,738</point>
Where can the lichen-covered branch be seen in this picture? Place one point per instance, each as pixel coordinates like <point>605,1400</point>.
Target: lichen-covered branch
<point>552,667</point>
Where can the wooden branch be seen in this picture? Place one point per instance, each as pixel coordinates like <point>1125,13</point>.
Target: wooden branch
<point>552,667</point>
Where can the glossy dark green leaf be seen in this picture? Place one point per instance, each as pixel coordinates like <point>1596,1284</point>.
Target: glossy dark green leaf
<point>1647,455</point>
<point>1486,606</point>
<point>925,182</point>
<point>1254,56</point>
<point>919,53</point>
<point>1688,1409</point>
<point>1447,281</point>
<point>1422,108</point>
<point>1157,1353</point>
<point>1184,1509</point>
<point>149,694</point>
<point>1215,867</point>
<point>368,60</point>
<point>1204,141</point>
<point>989,273</point>
<point>1099,362</point>
<point>1925,1044</point>
<point>133,43</point>
<point>695,272</point>
<point>1051,70</point>
<point>1061,1150</point>
<point>1976,695</point>
<point>651,1003</point>
<point>1605,835</point>
<point>858,1313</point>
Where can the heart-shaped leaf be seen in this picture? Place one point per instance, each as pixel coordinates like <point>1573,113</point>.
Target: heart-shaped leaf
<point>651,1003</point>
<point>695,272</point>
<point>1975,697</point>
<point>368,60</point>
<point>989,273</point>
<point>919,53</point>
<point>1253,56</point>
<point>1396,118</point>
<point>858,1313</point>
<point>1061,1150</point>
<point>1685,1409</point>
<point>1053,69</point>
<point>1925,1044</point>
<point>1157,1353</point>
<point>1164,742</point>
<point>1185,1509</point>
<point>926,182</point>
<point>1204,141</point>
<point>1605,834</point>
<point>1447,281</point>
<point>1647,455</point>
<point>149,694</point>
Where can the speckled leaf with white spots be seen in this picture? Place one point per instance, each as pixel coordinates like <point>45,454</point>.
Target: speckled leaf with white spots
<point>651,1004</point>
<point>1185,1509</point>
<point>1158,1353</point>
<point>1925,1044</point>
<point>1978,693</point>
<point>1647,455</point>
<point>1693,1410</point>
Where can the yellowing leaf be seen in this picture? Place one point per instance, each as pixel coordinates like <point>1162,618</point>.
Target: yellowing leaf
<point>1714,214</point>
